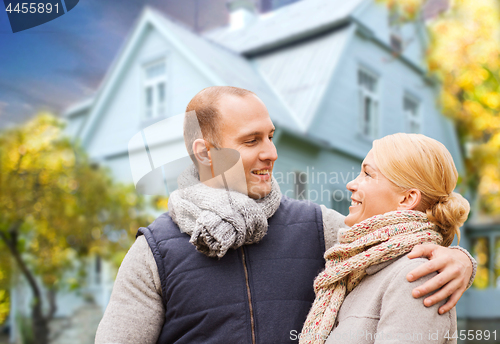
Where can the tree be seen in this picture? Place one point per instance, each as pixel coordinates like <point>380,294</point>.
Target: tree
<point>464,54</point>
<point>56,206</point>
<point>4,287</point>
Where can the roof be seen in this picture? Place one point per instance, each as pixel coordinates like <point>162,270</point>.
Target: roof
<point>299,48</point>
<point>301,73</point>
<point>287,24</point>
<point>220,65</point>
<point>232,69</point>
<point>79,108</point>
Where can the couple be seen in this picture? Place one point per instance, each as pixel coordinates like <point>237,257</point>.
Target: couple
<point>213,272</point>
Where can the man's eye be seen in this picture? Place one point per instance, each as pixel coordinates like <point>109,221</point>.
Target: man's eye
<point>251,141</point>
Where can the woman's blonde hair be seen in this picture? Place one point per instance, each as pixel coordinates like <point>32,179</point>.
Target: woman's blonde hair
<point>415,161</point>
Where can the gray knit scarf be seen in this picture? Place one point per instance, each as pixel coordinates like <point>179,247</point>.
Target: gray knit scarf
<point>217,219</point>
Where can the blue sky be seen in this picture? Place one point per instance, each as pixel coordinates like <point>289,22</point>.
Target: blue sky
<point>63,61</point>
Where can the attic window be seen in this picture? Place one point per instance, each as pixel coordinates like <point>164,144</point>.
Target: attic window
<point>395,38</point>
<point>155,90</point>
<point>396,43</point>
<point>411,109</point>
<point>368,103</point>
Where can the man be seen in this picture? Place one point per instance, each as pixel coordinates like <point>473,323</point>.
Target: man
<point>237,267</point>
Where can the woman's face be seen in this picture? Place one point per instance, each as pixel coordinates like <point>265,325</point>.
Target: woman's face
<point>372,193</point>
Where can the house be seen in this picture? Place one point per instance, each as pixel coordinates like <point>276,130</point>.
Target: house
<point>334,74</point>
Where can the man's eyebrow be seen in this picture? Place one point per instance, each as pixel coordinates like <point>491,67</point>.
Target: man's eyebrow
<point>258,133</point>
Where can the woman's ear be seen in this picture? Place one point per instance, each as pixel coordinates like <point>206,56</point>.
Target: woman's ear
<point>411,200</point>
<point>202,152</point>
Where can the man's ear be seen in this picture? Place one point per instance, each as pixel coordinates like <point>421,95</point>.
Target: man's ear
<point>202,152</point>
<point>410,200</point>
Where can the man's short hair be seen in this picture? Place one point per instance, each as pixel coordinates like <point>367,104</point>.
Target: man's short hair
<point>202,120</point>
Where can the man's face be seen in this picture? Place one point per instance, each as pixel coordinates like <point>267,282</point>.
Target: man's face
<point>247,128</point>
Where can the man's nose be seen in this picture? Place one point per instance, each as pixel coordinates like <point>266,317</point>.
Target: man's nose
<point>269,151</point>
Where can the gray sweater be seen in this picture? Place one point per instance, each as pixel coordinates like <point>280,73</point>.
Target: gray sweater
<point>381,309</point>
<point>137,292</point>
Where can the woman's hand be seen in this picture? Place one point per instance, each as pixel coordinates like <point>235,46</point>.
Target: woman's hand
<point>454,271</point>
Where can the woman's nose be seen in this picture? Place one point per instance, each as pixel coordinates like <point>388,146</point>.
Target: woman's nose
<point>352,185</point>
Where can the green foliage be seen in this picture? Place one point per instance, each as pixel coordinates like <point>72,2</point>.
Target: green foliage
<point>464,55</point>
<point>4,305</point>
<point>5,273</point>
<point>56,206</point>
<point>25,329</point>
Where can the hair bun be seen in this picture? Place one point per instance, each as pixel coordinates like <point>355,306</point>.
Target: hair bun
<point>449,213</point>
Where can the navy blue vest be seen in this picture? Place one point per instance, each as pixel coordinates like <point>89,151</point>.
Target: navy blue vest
<point>266,286</point>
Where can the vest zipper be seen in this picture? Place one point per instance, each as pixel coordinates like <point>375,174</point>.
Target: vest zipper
<point>252,323</point>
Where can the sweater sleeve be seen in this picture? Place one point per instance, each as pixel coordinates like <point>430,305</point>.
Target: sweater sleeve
<point>404,319</point>
<point>473,262</point>
<point>135,313</point>
<point>332,221</point>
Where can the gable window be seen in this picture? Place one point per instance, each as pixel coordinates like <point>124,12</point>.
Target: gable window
<point>396,43</point>
<point>155,89</point>
<point>395,38</point>
<point>411,109</point>
<point>367,83</point>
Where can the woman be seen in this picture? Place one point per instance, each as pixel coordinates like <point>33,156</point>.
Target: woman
<point>403,197</point>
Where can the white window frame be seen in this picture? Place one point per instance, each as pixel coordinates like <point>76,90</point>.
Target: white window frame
<point>368,129</point>
<point>157,108</point>
<point>413,118</point>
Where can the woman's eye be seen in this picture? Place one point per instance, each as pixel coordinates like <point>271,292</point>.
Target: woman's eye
<point>271,138</point>
<point>367,174</point>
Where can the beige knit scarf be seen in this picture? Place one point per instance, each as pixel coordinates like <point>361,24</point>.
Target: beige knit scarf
<point>372,241</point>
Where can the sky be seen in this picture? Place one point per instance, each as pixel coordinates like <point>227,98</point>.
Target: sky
<point>62,62</point>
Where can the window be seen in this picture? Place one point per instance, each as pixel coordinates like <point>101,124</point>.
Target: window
<point>481,252</point>
<point>396,43</point>
<point>411,110</point>
<point>155,90</point>
<point>300,185</point>
<point>367,83</point>
<point>395,38</point>
<point>98,264</point>
<point>497,262</point>
<point>341,204</point>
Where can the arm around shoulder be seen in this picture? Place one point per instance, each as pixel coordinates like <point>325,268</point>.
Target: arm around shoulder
<point>473,262</point>
<point>135,313</point>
